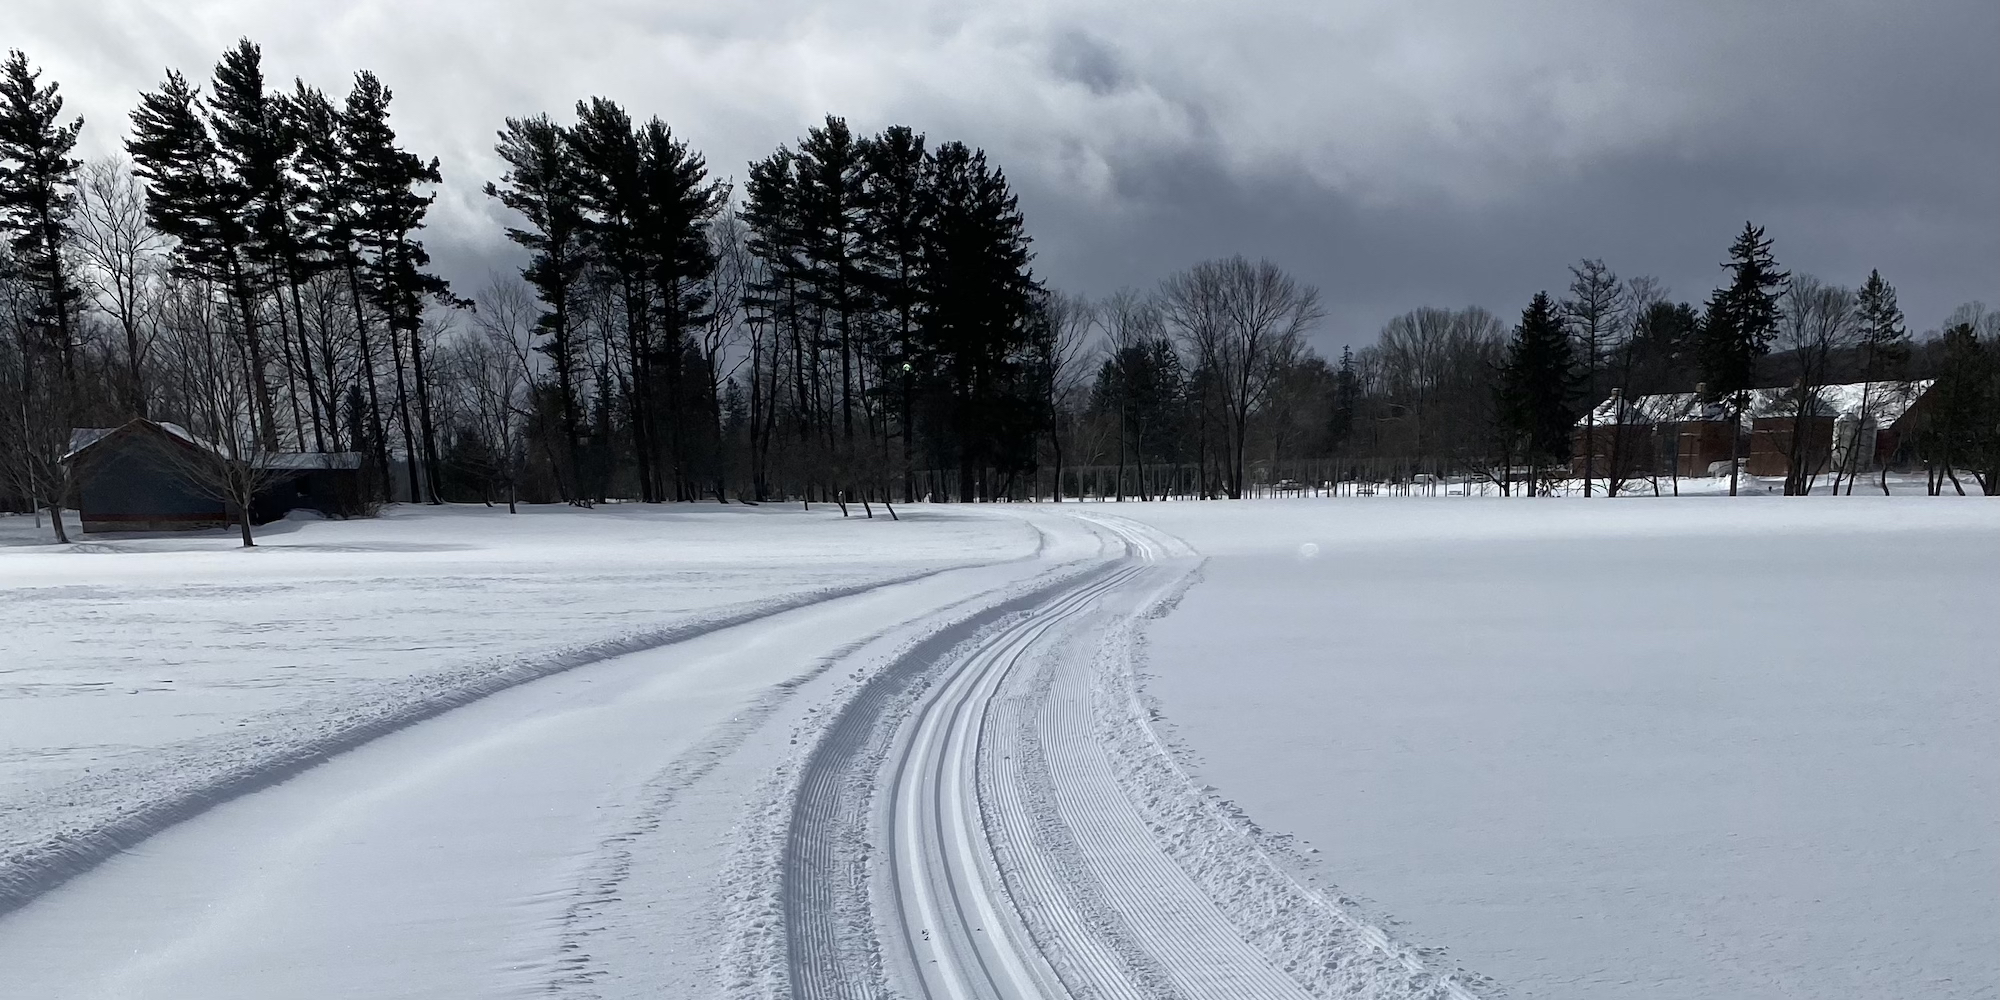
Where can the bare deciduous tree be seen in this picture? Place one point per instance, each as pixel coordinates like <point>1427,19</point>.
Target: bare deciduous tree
<point>34,420</point>
<point>121,257</point>
<point>228,458</point>
<point>1592,310</point>
<point>490,372</point>
<point>1239,319</point>
<point>1069,323</point>
<point>1816,325</point>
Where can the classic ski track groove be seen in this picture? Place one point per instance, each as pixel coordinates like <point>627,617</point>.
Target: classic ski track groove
<point>991,754</point>
<point>990,956</point>
<point>830,943</point>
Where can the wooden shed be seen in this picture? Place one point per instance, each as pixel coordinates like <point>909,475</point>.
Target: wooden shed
<point>127,479</point>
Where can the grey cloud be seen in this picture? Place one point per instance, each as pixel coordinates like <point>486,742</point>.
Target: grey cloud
<point>1077,55</point>
<point>1396,152</point>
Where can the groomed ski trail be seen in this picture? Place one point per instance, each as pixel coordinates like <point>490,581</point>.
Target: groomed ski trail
<point>1024,834</point>
<point>508,846</point>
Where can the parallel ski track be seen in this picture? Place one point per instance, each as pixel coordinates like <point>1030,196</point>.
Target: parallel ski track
<point>830,941</point>
<point>979,776</point>
<point>957,922</point>
<point>1157,905</point>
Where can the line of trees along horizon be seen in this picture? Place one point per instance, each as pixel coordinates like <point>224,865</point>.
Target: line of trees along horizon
<point>857,321</point>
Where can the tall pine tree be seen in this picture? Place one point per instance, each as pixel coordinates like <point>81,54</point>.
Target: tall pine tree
<point>830,194</point>
<point>258,147</point>
<point>38,178</point>
<point>614,199</point>
<point>392,199</point>
<point>1346,400</point>
<point>1884,344</point>
<point>544,183</point>
<point>330,205</point>
<point>193,196</point>
<point>37,199</point>
<point>680,201</point>
<point>978,295</point>
<point>1742,318</point>
<point>892,204</point>
<point>1538,386</point>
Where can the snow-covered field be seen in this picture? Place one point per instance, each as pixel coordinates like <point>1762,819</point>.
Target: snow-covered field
<point>1699,748</point>
<point>1457,746</point>
<point>147,674</point>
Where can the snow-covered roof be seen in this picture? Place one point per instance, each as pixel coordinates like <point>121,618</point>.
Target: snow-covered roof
<point>1659,408</point>
<point>1886,402</point>
<point>84,438</point>
<point>81,438</point>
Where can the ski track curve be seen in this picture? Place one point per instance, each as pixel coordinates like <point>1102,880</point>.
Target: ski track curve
<point>47,867</point>
<point>998,820</point>
<point>831,947</point>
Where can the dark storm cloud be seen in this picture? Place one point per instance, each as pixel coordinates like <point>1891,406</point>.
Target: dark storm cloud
<point>1394,153</point>
<point>1076,55</point>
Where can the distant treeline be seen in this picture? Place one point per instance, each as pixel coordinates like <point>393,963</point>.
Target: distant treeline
<point>858,320</point>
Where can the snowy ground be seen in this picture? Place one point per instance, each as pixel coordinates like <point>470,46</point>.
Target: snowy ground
<point>1691,748</point>
<point>145,675</point>
<point>1897,484</point>
<point>1700,749</point>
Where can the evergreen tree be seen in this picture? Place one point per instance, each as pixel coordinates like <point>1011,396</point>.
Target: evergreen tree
<point>1962,430</point>
<point>1143,383</point>
<point>544,183</point>
<point>680,201</point>
<point>1737,330</point>
<point>258,141</point>
<point>1538,382</point>
<point>1884,343</point>
<point>772,306</point>
<point>390,208</point>
<point>614,199</point>
<point>193,196</point>
<point>38,179</point>
<point>1346,398</point>
<point>894,182</point>
<point>977,296</point>
<point>1660,354</point>
<point>330,200</point>
<point>44,395</point>
<point>830,206</point>
<point>1884,340</point>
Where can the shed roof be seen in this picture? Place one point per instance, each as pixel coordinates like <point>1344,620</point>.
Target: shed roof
<point>82,439</point>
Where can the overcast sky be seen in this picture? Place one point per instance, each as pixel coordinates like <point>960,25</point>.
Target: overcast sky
<point>1393,153</point>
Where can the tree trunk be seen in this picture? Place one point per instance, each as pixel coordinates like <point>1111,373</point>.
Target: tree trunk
<point>1589,450</point>
<point>291,372</point>
<point>424,413</point>
<point>1735,446</point>
<point>381,441</point>
<point>403,411</point>
<point>246,306</point>
<point>313,395</point>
